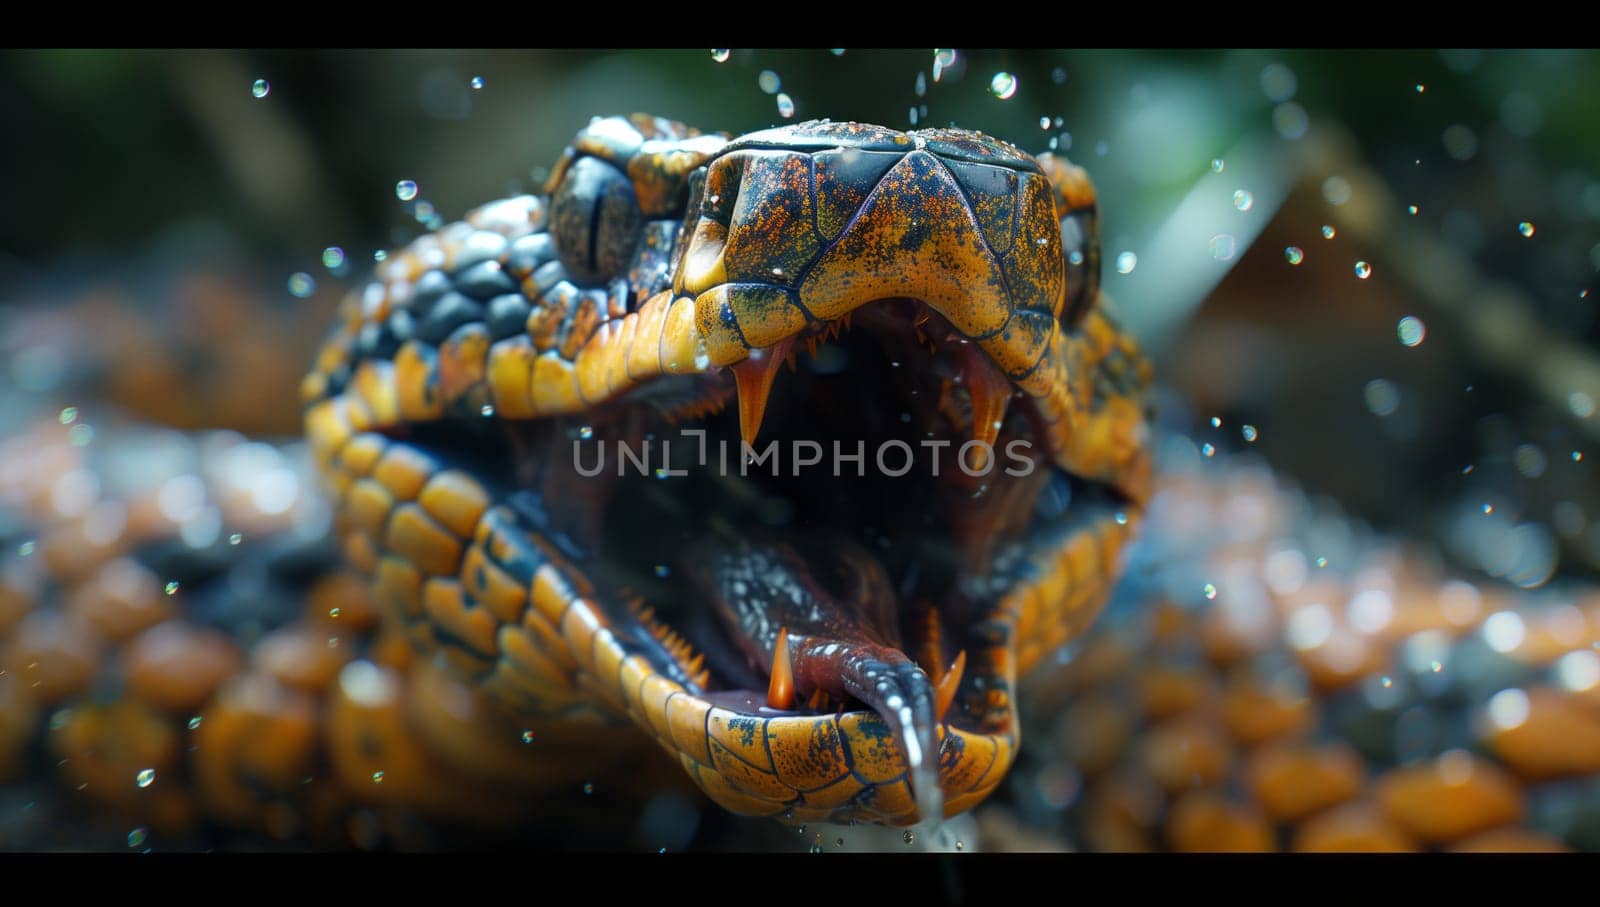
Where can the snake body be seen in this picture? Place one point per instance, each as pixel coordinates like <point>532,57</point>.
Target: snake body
<point>805,649</point>
<point>666,258</point>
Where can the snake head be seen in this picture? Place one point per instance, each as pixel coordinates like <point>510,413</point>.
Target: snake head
<point>818,590</point>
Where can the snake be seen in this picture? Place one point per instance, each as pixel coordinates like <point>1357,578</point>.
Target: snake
<point>483,608</point>
<point>819,650</point>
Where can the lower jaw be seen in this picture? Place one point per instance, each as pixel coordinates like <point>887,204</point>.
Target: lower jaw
<point>999,602</point>
<point>837,766</point>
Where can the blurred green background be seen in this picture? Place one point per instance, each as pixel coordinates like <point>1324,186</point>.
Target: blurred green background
<point>111,149</point>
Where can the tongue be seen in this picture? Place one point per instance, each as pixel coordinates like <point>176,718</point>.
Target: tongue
<point>841,640</point>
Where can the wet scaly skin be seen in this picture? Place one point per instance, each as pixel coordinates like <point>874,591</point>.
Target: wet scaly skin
<point>526,316</point>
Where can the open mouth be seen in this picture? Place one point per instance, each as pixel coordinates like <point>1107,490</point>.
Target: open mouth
<point>820,501</point>
<point>860,505</point>
<point>903,486</point>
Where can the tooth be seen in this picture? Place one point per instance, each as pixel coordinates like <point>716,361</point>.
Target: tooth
<point>930,648</point>
<point>991,394</point>
<point>754,379</point>
<point>944,692</point>
<point>780,692</point>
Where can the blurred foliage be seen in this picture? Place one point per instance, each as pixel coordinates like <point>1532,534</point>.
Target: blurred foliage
<point>111,148</point>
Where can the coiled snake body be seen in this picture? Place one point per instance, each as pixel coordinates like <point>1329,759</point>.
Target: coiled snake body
<point>546,583</point>
<point>663,264</point>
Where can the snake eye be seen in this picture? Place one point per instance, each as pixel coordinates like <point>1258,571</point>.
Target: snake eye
<point>597,221</point>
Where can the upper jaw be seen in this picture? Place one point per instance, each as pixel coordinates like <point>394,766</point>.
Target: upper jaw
<point>760,268</point>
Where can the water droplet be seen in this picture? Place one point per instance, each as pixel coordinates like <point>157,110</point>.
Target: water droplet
<point>1363,270</point>
<point>961,845</point>
<point>1525,228</point>
<point>1411,329</point>
<point>1577,456</point>
<point>26,548</point>
<point>816,848</point>
<point>836,51</point>
<point>588,788</point>
<point>68,415</point>
<point>1322,562</point>
<point>1460,142</point>
<point>301,285</point>
<point>172,587</point>
<point>194,723</point>
<point>80,435</point>
<point>334,613</point>
<point>1581,404</point>
<point>1003,85</point>
<point>476,83</point>
<point>380,255</point>
<point>1336,190</point>
<point>1488,509</point>
<point>909,837</point>
<point>1294,255</point>
<point>1290,120</point>
<point>1044,123</point>
<point>1421,88</point>
<point>236,538</point>
<point>769,81</point>
<point>137,836</point>
<point>1216,421</point>
<point>1223,247</point>
<point>1467,469</point>
<point>1382,397</point>
<point>1217,164</point>
<point>405,190</point>
<point>785,106</point>
<point>1249,433</point>
<point>333,258</point>
<point>663,571</point>
<point>721,54</point>
<point>586,432</point>
<point>377,777</point>
<point>145,778</point>
<point>1412,210</point>
<point>1208,449</point>
<point>1122,518</point>
<point>527,736</point>
<point>1059,75</point>
<point>486,410</point>
<point>1278,82</point>
<point>1126,262</point>
<point>1243,200</point>
<point>1328,232</point>
<point>260,89</point>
